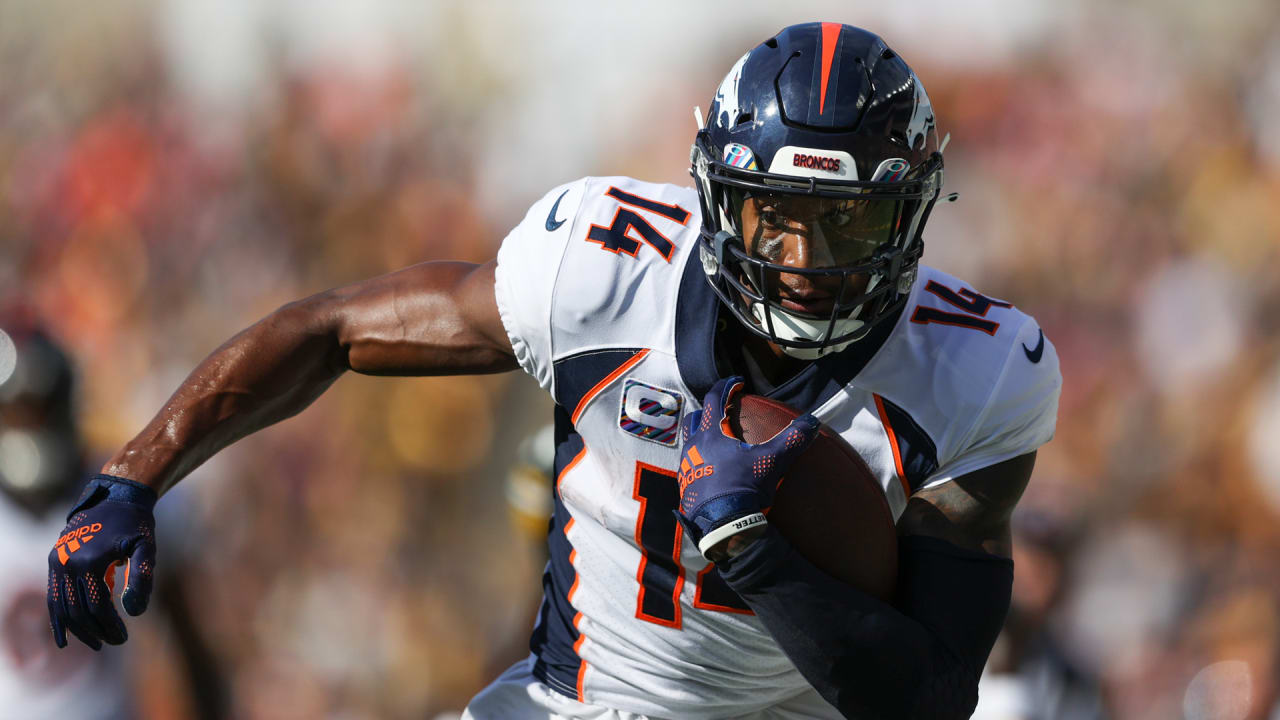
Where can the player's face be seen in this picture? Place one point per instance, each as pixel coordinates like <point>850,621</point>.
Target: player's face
<point>809,232</point>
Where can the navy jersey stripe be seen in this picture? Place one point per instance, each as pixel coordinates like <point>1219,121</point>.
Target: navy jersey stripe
<point>819,382</point>
<point>919,454</point>
<point>577,375</point>
<point>697,309</point>
<point>552,643</point>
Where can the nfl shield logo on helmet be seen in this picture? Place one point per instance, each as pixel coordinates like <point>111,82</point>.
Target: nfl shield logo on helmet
<point>740,156</point>
<point>650,413</point>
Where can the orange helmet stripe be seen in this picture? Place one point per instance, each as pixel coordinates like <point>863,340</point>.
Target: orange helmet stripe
<point>830,34</point>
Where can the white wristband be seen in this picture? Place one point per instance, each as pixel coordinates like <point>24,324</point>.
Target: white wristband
<point>729,529</point>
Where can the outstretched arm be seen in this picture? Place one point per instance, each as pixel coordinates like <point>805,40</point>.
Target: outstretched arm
<point>429,319</point>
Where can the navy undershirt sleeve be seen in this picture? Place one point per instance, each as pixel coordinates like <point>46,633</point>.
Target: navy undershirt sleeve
<point>918,658</point>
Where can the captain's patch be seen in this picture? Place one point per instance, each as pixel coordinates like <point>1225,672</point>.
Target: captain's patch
<point>650,413</point>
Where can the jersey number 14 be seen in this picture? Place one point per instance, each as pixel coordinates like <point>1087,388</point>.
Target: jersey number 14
<point>629,228</point>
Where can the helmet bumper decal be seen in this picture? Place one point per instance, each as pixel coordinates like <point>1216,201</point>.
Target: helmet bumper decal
<point>891,170</point>
<point>814,162</point>
<point>740,156</point>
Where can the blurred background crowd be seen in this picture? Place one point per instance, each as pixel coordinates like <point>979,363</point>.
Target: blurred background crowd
<point>172,170</point>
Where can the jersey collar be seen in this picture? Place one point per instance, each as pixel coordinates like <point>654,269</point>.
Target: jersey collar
<point>695,334</point>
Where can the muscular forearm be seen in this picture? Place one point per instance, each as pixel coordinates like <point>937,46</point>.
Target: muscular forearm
<point>266,373</point>
<point>429,319</point>
<point>920,659</point>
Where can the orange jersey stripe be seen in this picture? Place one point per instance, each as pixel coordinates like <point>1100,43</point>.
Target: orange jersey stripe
<point>577,619</point>
<point>577,648</point>
<point>576,459</point>
<point>893,443</point>
<point>591,394</point>
<point>573,557</point>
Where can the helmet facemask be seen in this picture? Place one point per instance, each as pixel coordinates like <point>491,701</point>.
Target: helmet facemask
<point>863,236</point>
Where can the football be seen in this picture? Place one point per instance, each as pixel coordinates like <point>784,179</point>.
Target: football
<point>829,506</point>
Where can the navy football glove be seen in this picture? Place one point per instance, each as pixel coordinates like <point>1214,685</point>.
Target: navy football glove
<point>727,484</point>
<point>110,525</point>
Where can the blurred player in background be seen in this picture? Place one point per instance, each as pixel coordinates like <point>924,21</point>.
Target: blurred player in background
<point>791,270</point>
<point>529,489</point>
<point>40,472</point>
<point>1031,675</point>
<point>41,466</point>
<point>529,481</point>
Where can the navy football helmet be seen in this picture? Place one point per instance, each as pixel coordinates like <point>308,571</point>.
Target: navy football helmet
<point>40,450</point>
<point>822,111</point>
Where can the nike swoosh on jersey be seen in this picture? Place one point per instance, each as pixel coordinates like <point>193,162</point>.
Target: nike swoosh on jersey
<point>552,222</point>
<point>1033,354</point>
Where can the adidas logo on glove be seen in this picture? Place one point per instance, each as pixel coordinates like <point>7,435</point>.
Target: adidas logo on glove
<point>696,471</point>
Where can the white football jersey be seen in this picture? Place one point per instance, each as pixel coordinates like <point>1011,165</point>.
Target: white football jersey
<point>606,304</point>
<point>37,679</point>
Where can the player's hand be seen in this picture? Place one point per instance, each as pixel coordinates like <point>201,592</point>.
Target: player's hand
<point>110,525</point>
<point>727,484</point>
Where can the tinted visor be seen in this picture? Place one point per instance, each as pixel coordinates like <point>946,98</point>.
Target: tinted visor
<point>842,231</point>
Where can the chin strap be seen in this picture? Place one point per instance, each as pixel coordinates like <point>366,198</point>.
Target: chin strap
<point>791,327</point>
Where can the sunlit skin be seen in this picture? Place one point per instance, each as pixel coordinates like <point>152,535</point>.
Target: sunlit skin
<point>794,232</point>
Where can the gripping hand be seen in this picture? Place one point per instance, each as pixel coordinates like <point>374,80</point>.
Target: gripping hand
<point>110,525</point>
<point>727,484</point>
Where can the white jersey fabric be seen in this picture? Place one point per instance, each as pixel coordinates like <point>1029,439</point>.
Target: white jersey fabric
<point>606,305</point>
<point>38,680</point>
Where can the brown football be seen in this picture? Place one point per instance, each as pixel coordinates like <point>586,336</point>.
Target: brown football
<point>829,505</point>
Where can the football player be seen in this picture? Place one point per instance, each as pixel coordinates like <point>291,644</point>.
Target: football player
<point>40,472</point>
<point>791,270</point>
